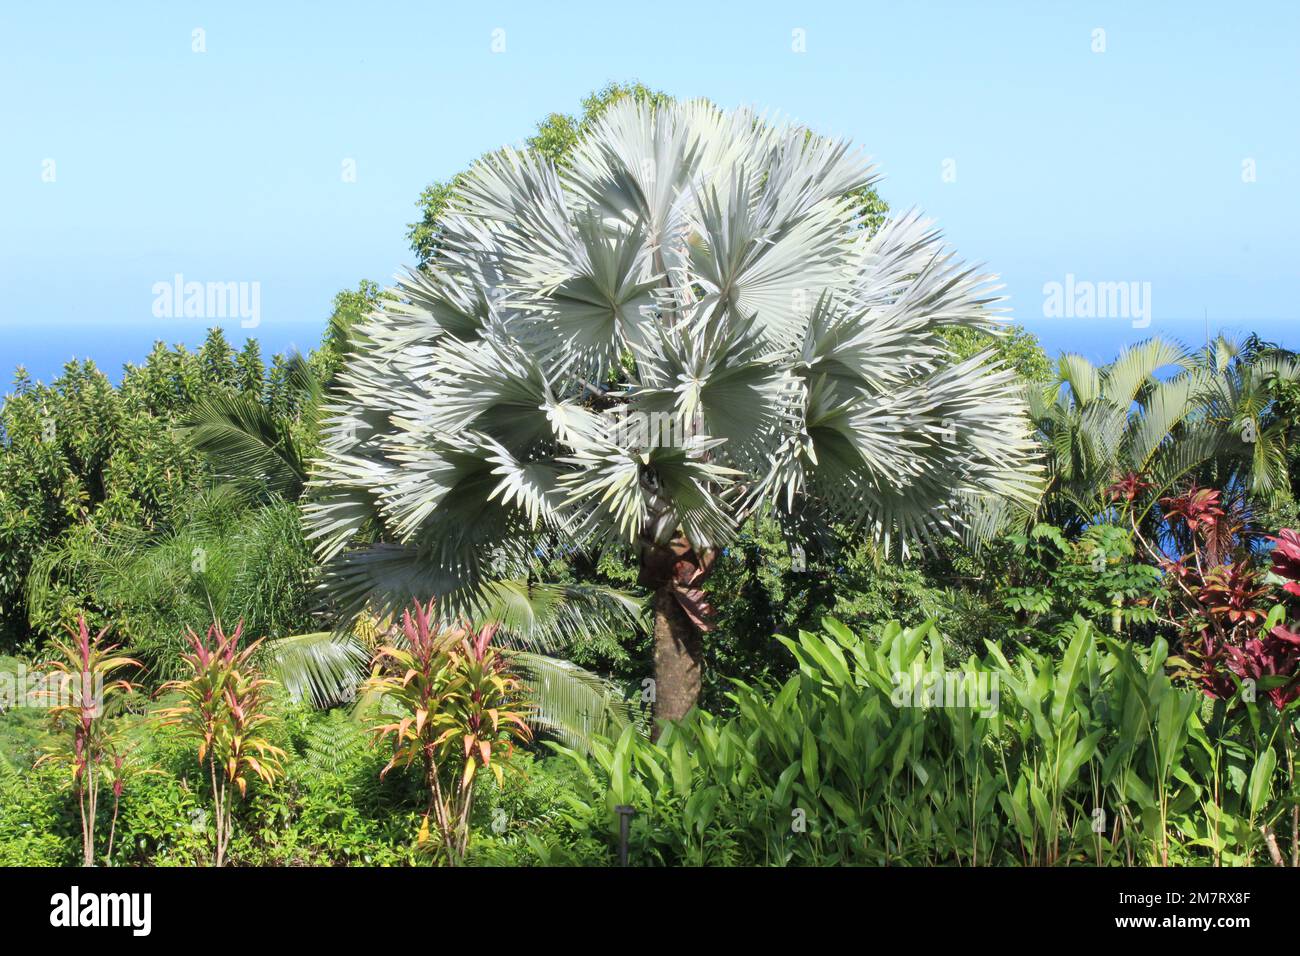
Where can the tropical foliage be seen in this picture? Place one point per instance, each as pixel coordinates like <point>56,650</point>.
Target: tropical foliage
<point>879,751</point>
<point>1169,415</point>
<point>452,705</point>
<point>223,709</point>
<point>679,475</point>
<point>87,743</point>
<point>687,324</point>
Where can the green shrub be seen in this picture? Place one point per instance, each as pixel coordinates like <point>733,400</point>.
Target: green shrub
<point>323,812</point>
<point>1096,758</point>
<point>524,821</point>
<point>38,826</point>
<point>24,731</point>
<point>837,765</point>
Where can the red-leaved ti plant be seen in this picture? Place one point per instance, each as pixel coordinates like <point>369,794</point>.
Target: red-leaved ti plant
<point>1197,508</point>
<point>1286,559</point>
<point>224,707</point>
<point>1234,591</point>
<point>1230,616</point>
<point>1238,595</point>
<point>1128,487</point>
<point>1220,600</point>
<point>1274,654</point>
<point>450,705</point>
<point>1283,654</point>
<point>86,741</point>
<point>1286,564</point>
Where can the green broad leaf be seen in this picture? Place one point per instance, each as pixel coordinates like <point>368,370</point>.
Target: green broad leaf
<point>840,804</point>
<point>1079,755</point>
<point>1042,810</point>
<point>784,783</point>
<point>1139,792</point>
<point>681,767</point>
<point>829,656</point>
<point>839,632</point>
<point>620,780</point>
<point>1261,780</point>
<point>810,760</point>
<point>1067,678</point>
<point>902,750</point>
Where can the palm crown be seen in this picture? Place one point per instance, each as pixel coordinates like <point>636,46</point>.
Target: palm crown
<point>687,323</point>
<point>1168,416</point>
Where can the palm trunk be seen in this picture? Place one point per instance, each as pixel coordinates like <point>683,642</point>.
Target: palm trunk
<point>677,657</point>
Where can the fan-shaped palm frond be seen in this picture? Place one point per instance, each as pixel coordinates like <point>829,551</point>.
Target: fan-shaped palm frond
<point>553,616</point>
<point>788,351</point>
<point>326,668</point>
<point>684,324</point>
<point>571,703</point>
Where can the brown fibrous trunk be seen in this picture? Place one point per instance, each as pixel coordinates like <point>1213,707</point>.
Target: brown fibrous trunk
<point>677,658</point>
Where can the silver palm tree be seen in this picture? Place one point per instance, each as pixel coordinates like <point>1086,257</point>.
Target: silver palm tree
<point>684,325</point>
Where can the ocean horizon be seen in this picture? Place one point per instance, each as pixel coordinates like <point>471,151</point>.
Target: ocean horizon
<point>43,350</point>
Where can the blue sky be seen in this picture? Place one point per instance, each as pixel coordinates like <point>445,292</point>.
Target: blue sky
<point>1126,165</point>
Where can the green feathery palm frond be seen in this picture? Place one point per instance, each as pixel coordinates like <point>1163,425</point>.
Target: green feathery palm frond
<point>1169,415</point>
<point>323,668</point>
<point>248,444</point>
<point>259,451</point>
<point>218,557</point>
